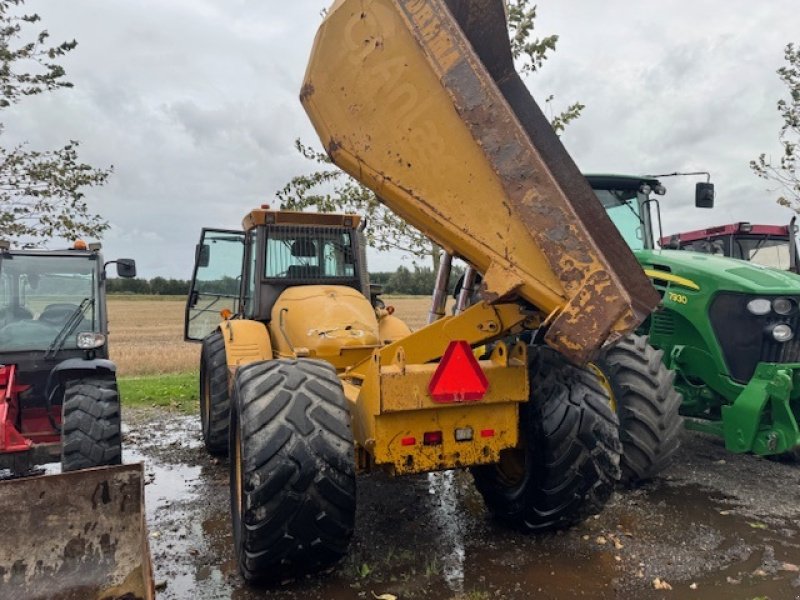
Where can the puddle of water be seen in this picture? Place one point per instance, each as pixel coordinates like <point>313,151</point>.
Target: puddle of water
<point>430,536</point>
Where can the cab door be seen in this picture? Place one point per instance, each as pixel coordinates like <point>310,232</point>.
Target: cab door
<point>216,281</point>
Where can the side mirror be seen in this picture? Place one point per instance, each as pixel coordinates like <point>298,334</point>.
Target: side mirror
<point>126,267</point>
<point>704,195</point>
<point>203,255</point>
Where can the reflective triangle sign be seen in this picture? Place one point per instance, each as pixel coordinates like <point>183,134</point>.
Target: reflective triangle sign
<point>459,376</point>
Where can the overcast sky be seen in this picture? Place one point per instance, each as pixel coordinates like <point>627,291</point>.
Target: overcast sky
<point>195,104</point>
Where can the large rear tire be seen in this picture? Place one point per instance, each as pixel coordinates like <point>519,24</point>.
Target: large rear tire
<point>90,429</point>
<point>293,487</point>
<point>215,403</point>
<point>647,405</point>
<point>568,464</point>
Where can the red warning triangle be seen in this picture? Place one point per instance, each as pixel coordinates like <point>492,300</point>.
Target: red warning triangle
<point>458,377</point>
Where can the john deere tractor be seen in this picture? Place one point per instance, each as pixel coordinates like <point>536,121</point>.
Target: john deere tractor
<point>729,329</point>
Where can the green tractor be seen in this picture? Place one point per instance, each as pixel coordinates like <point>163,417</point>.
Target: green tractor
<point>729,329</point>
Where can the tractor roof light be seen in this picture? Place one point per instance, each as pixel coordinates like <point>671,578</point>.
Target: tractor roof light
<point>745,227</point>
<point>782,333</point>
<point>759,307</point>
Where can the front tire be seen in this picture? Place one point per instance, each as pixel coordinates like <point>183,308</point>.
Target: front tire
<point>90,426</point>
<point>647,405</point>
<point>293,487</point>
<point>215,403</point>
<point>568,462</point>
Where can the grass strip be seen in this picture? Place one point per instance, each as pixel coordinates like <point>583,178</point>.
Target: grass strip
<point>176,391</point>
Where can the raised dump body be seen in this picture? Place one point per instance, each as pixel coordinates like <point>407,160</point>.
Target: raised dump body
<point>419,100</point>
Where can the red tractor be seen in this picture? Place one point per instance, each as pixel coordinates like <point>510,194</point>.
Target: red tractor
<point>772,246</point>
<point>58,389</point>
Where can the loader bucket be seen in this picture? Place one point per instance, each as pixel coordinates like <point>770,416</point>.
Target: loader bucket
<point>78,535</point>
<point>420,101</point>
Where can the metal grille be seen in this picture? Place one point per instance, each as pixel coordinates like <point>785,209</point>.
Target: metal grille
<point>744,337</point>
<point>663,323</point>
<point>786,352</point>
<point>310,254</point>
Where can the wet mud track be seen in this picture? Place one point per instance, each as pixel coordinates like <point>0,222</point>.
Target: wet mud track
<point>716,526</point>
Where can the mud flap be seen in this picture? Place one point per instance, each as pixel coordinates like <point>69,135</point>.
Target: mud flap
<point>78,535</point>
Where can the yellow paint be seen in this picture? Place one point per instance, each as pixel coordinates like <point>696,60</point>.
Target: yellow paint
<point>391,385</point>
<point>387,448</point>
<point>604,381</point>
<point>374,92</point>
<point>391,328</point>
<point>328,322</point>
<point>676,279</point>
<point>245,342</point>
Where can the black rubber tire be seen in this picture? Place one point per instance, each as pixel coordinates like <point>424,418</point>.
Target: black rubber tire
<point>293,486</point>
<point>215,402</point>
<point>90,429</point>
<point>647,406</point>
<point>569,460</point>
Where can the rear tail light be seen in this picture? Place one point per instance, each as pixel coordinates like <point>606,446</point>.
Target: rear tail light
<point>408,441</point>
<point>463,434</point>
<point>432,438</point>
<point>487,432</point>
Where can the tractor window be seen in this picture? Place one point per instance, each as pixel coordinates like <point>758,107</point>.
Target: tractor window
<point>309,253</point>
<point>41,295</point>
<point>622,207</point>
<point>216,281</point>
<point>250,289</point>
<point>763,250</point>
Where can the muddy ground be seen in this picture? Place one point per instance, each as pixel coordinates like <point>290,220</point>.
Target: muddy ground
<point>715,526</point>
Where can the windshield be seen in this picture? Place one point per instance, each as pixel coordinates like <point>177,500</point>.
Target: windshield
<point>39,295</point>
<point>622,207</point>
<point>763,250</point>
<point>310,253</point>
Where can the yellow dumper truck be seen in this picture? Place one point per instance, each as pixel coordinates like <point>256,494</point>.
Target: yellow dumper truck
<point>307,379</point>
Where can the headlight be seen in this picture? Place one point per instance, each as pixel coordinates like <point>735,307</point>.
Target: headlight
<point>782,333</point>
<point>88,340</point>
<point>759,306</point>
<point>782,306</point>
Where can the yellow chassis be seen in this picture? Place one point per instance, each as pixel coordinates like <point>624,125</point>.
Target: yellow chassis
<point>388,391</point>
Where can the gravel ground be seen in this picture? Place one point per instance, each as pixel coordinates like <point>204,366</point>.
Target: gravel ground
<point>715,526</point>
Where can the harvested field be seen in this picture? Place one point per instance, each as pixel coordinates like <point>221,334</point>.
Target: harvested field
<point>147,332</point>
<point>146,336</point>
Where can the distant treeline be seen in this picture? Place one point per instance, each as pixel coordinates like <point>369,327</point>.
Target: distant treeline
<point>418,282</point>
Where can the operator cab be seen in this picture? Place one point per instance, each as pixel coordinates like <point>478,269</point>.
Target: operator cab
<point>772,246</point>
<point>628,201</point>
<point>244,272</point>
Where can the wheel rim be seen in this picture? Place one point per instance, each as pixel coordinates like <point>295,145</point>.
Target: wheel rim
<point>604,381</point>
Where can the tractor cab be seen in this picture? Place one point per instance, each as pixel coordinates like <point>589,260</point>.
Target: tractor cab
<point>282,267</point>
<point>53,331</point>
<point>631,203</point>
<point>773,246</point>
<point>46,299</point>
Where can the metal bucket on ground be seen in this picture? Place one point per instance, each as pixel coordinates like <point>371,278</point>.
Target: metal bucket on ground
<point>80,535</point>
